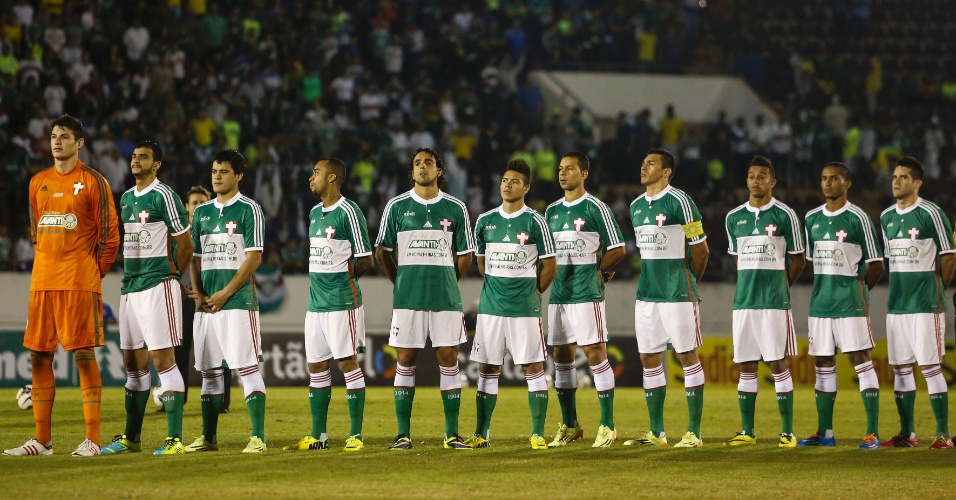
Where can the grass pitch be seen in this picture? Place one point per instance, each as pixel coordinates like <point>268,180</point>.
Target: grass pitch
<point>508,469</point>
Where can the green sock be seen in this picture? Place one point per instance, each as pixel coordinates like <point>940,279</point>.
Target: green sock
<point>173,404</point>
<point>747,401</point>
<point>567,402</point>
<point>404,396</point>
<point>825,401</point>
<point>606,401</point>
<point>356,402</point>
<point>210,415</point>
<point>655,408</point>
<point>485,407</point>
<point>319,407</point>
<point>695,408</point>
<point>906,407</point>
<point>256,404</point>
<point>135,411</point>
<point>785,406</point>
<point>940,404</point>
<point>871,404</point>
<point>451,401</point>
<point>538,401</point>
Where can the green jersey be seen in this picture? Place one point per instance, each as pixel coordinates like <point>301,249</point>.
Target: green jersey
<point>426,236</point>
<point>337,235</point>
<point>913,240</point>
<point>151,218</point>
<point>840,245</point>
<point>761,238</point>
<point>584,230</point>
<point>666,227</point>
<point>222,234</point>
<point>512,245</point>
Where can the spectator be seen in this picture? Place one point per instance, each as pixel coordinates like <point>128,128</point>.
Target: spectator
<point>23,251</point>
<point>136,40</point>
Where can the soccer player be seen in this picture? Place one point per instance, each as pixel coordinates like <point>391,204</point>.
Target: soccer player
<point>515,252</point>
<point>424,245</point>
<point>340,253</point>
<point>674,252</point>
<point>74,229</point>
<point>918,241</point>
<point>847,263</point>
<point>157,249</point>
<point>762,233</point>
<point>588,244</point>
<point>228,237</point>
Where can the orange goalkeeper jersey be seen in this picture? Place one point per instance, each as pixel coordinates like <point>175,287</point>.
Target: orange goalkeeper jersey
<point>74,226</point>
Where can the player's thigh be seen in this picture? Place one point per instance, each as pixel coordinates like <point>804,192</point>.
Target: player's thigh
<point>239,337</point>
<point>853,334</point>
<point>330,335</point>
<point>131,335</point>
<point>79,319</point>
<point>408,329</point>
<point>928,338</point>
<point>488,346</point>
<point>316,346</point>
<point>681,321</point>
<point>206,348</point>
<point>822,336</point>
<point>587,322</point>
<point>649,327</point>
<point>40,334</point>
<point>446,328</point>
<point>559,329</point>
<point>746,347</point>
<point>524,339</point>
<point>900,330</point>
<point>360,341</point>
<point>159,314</point>
<point>771,330</point>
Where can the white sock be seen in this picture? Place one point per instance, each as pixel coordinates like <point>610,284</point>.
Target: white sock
<point>354,380</point>
<point>321,380</point>
<point>450,378</point>
<point>826,379</point>
<point>654,378</point>
<point>172,380</point>
<point>252,380</point>
<point>904,381</point>
<point>488,383</point>
<point>783,382</point>
<point>212,383</point>
<point>748,383</point>
<point>404,376</point>
<point>693,376</point>
<point>935,383</point>
<point>565,376</point>
<point>536,382</point>
<point>867,376</point>
<point>138,381</point>
<point>603,376</point>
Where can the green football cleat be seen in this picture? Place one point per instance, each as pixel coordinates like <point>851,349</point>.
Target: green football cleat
<point>353,443</point>
<point>690,440</point>
<point>255,445</point>
<point>787,441</point>
<point>648,439</point>
<point>200,444</point>
<point>172,446</point>
<point>566,435</point>
<point>121,444</point>
<point>538,442</point>
<point>741,439</point>
<point>308,443</point>
<point>605,436</point>
<point>476,441</point>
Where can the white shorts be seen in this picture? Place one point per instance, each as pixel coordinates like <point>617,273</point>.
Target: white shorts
<point>232,336</point>
<point>915,338</point>
<point>411,328</point>
<point>495,335</point>
<point>657,324</point>
<point>333,334</point>
<point>581,324</point>
<point>152,318</point>
<point>846,334</point>
<point>763,334</point>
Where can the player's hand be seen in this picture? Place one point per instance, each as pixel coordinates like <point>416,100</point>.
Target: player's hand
<point>216,301</point>
<point>200,300</point>
<point>607,275</point>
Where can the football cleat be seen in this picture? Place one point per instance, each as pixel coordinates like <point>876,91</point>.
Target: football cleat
<point>690,440</point>
<point>648,439</point>
<point>787,441</point>
<point>816,440</point>
<point>255,445</point>
<point>741,439</point>
<point>172,446</point>
<point>476,441</point>
<point>28,449</point>
<point>90,449</point>
<point>308,443</point>
<point>538,442</point>
<point>402,442</point>
<point>605,436</point>
<point>566,435</point>
<point>455,442</point>
<point>353,443</point>
<point>200,444</point>
<point>941,442</point>
<point>901,441</point>
<point>870,442</point>
<point>121,444</point>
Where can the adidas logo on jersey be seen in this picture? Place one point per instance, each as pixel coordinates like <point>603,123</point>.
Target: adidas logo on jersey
<point>899,234</point>
<point>565,226</point>
<point>826,236</point>
<point>132,217</point>
<point>756,231</point>
<point>646,220</point>
<point>506,238</point>
<point>216,229</point>
<point>43,188</point>
<point>427,224</point>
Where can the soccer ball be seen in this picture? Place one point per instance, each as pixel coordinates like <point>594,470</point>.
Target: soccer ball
<point>25,397</point>
<point>158,396</point>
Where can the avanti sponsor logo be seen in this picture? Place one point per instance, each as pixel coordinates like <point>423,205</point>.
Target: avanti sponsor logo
<point>835,255</point>
<point>321,252</point>
<point>768,249</point>
<point>67,221</point>
<point>652,238</point>
<point>516,257</point>
<point>571,245</point>
<point>911,252</point>
<point>227,248</point>
<point>425,244</point>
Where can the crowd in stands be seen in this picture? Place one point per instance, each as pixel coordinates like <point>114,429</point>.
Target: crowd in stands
<point>368,81</point>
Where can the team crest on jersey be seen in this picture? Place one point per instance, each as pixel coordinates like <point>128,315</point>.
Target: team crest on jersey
<point>143,216</point>
<point>231,227</point>
<point>445,224</point>
<point>770,229</point>
<point>841,235</point>
<point>579,223</point>
<point>329,232</point>
<point>661,219</point>
<point>77,188</point>
<point>523,238</point>
<point>913,232</point>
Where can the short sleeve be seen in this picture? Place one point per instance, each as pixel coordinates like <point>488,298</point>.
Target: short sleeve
<point>254,228</point>
<point>542,237</point>
<point>358,231</point>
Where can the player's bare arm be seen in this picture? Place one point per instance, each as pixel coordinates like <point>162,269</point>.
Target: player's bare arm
<point>547,271</point>
<point>184,255</point>
<point>947,263</point>
<point>197,293</point>
<point>481,266</point>
<point>215,301</point>
<point>874,271</point>
<point>387,262</point>
<point>798,261</point>
<point>611,259</point>
<point>699,259</point>
<point>362,266</point>
<point>462,263</point>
